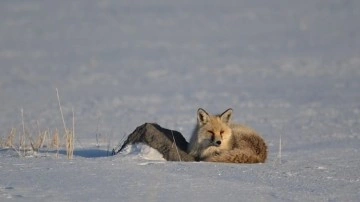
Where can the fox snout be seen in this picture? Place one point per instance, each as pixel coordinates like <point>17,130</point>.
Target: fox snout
<point>214,141</point>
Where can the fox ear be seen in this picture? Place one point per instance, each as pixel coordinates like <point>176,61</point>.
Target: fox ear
<point>226,115</point>
<point>202,116</point>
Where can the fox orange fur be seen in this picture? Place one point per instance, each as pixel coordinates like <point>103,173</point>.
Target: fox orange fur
<point>216,139</point>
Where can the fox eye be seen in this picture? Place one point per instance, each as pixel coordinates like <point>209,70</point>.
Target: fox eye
<point>212,135</point>
<point>221,133</point>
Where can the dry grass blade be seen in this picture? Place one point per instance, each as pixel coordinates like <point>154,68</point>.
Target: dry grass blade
<point>174,144</point>
<point>55,143</point>
<point>23,137</point>
<point>61,112</point>
<point>69,134</point>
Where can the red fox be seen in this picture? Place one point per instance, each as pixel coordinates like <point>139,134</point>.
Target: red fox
<point>216,139</point>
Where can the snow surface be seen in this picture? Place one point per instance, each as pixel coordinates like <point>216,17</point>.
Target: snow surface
<point>287,68</point>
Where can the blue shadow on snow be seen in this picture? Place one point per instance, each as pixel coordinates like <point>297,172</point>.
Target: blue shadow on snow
<point>89,153</point>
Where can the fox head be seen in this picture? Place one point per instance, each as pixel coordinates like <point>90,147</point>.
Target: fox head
<point>214,130</point>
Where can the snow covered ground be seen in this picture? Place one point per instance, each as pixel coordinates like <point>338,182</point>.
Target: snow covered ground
<point>289,68</point>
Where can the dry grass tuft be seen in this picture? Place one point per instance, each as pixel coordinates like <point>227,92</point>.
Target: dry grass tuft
<point>10,139</point>
<point>55,142</point>
<point>24,144</point>
<point>69,138</point>
<point>39,141</point>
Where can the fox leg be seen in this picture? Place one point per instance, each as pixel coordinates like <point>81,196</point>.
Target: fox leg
<point>209,152</point>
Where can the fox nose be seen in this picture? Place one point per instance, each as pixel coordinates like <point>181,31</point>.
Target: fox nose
<point>218,142</point>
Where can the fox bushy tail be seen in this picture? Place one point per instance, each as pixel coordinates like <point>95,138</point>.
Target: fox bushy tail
<point>248,148</point>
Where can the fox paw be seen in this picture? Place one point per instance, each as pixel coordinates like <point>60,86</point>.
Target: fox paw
<point>210,151</point>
